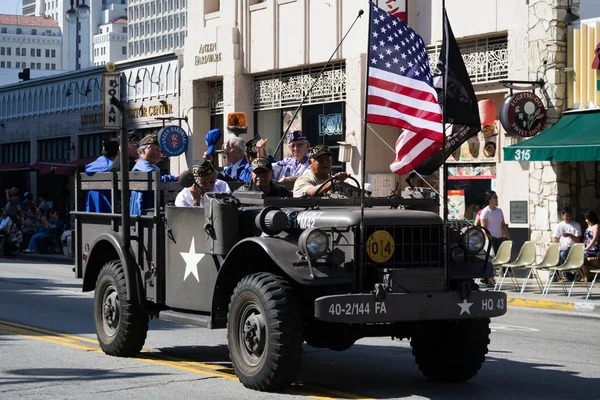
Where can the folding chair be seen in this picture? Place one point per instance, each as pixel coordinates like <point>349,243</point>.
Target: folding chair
<point>551,259</point>
<point>525,258</point>
<point>573,263</point>
<point>502,256</point>
<point>596,272</point>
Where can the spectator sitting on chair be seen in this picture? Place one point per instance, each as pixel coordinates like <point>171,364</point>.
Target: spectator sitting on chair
<point>591,242</point>
<point>16,238</point>
<point>54,226</point>
<point>5,228</point>
<point>567,233</point>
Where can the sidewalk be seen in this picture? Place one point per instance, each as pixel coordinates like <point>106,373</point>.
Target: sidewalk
<point>556,299</point>
<point>49,258</point>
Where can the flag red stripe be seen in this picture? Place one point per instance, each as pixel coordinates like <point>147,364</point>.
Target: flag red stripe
<point>401,89</point>
<point>384,120</point>
<point>405,109</point>
<point>418,159</point>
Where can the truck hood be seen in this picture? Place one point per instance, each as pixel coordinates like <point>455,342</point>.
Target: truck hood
<point>343,217</point>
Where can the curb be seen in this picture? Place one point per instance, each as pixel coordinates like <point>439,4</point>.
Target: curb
<point>578,306</point>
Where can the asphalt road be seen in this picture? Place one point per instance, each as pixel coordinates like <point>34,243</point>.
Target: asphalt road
<point>48,350</point>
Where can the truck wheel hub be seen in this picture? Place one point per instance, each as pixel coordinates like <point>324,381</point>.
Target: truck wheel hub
<point>252,334</point>
<point>111,311</point>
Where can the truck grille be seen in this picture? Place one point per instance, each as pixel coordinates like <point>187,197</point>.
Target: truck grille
<point>415,247</point>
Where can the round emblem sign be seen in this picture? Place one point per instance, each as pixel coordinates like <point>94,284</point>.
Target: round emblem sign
<point>380,246</point>
<point>523,114</point>
<point>173,140</point>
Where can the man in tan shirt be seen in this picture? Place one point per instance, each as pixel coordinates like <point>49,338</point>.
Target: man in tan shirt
<point>320,167</point>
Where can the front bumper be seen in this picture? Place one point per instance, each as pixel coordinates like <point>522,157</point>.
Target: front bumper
<point>397,307</point>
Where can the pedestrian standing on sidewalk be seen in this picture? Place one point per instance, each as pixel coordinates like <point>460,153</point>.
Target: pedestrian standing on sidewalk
<point>492,219</point>
<point>566,233</point>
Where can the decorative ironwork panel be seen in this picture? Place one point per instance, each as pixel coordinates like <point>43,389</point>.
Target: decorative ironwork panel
<point>215,97</point>
<point>286,89</point>
<point>486,59</point>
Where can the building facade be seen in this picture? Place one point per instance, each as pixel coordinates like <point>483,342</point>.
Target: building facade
<point>78,34</point>
<point>29,42</point>
<point>53,126</point>
<point>156,27</point>
<point>260,57</point>
<point>110,43</point>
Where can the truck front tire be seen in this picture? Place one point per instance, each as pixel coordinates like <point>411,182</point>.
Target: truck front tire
<point>264,332</point>
<point>121,325</point>
<point>451,351</point>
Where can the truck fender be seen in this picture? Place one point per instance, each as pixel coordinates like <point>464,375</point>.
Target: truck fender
<point>251,255</point>
<point>107,247</point>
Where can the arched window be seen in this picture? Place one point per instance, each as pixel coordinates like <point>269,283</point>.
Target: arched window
<point>52,100</point>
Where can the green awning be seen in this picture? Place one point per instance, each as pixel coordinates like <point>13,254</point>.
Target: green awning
<point>575,137</point>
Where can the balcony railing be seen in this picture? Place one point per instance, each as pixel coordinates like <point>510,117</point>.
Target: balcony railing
<point>486,59</point>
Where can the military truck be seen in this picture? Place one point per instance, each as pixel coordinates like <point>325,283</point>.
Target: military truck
<point>278,272</point>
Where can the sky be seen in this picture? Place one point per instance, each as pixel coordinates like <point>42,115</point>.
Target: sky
<point>10,7</point>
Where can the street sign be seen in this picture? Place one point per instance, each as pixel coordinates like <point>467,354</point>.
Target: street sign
<point>111,116</point>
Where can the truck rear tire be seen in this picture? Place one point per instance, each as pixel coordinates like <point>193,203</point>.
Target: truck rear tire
<point>121,325</point>
<point>451,351</point>
<point>264,332</point>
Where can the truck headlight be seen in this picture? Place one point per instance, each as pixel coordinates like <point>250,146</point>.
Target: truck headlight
<point>314,242</point>
<point>472,240</point>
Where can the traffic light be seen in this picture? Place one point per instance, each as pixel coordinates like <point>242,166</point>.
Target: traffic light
<point>25,74</point>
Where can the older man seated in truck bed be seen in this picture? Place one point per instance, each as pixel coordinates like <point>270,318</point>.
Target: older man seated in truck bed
<point>205,176</point>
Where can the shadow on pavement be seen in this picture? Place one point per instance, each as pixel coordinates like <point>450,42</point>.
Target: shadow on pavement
<point>45,375</point>
<point>52,307</point>
<point>390,372</point>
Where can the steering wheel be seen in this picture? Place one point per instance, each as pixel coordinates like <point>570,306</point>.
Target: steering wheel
<point>331,179</point>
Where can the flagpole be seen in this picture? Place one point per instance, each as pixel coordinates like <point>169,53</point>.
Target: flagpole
<point>444,117</point>
<point>362,258</point>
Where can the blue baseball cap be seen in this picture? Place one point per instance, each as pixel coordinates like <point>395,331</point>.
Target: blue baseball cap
<point>296,136</point>
<point>211,139</point>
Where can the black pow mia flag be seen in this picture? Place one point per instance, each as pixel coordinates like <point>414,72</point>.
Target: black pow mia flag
<point>460,110</point>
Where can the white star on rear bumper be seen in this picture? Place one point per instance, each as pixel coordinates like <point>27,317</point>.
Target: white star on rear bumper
<point>465,307</point>
<point>192,259</point>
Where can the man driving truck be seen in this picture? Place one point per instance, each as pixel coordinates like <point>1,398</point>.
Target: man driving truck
<point>320,160</point>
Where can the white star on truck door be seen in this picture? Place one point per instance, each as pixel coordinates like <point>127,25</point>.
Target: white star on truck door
<point>191,259</point>
<point>465,307</point>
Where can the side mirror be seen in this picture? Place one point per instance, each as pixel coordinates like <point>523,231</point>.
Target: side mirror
<point>186,179</point>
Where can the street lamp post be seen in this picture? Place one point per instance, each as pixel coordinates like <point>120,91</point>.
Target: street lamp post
<point>78,11</point>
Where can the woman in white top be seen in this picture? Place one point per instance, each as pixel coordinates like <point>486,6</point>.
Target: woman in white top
<point>492,219</point>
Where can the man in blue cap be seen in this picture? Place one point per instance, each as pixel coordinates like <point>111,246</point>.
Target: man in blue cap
<point>262,180</point>
<point>150,155</point>
<point>99,200</point>
<point>290,168</point>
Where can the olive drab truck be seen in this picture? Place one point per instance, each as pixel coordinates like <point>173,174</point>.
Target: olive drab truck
<point>280,272</point>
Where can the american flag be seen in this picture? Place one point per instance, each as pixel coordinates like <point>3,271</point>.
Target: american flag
<point>401,91</point>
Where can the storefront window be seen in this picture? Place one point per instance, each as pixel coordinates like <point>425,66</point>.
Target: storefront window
<point>54,149</point>
<point>15,153</point>
<point>467,184</point>
<point>216,122</point>
<point>268,126</point>
<point>321,124</point>
<point>91,145</point>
